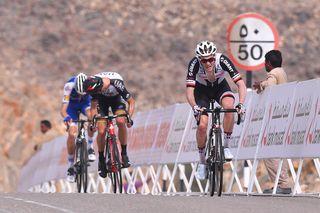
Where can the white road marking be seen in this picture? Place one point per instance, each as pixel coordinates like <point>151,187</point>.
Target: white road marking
<point>4,211</point>
<point>39,204</point>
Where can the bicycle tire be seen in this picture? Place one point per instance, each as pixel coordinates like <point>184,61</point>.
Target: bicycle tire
<point>218,164</point>
<point>210,164</point>
<point>78,167</point>
<point>109,158</point>
<point>116,166</point>
<point>84,166</point>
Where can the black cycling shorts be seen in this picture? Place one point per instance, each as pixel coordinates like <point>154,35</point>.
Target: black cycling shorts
<point>116,103</point>
<point>203,94</point>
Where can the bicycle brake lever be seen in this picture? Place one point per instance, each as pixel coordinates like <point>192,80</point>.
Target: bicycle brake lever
<point>239,119</point>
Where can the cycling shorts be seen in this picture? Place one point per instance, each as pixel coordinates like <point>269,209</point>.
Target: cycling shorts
<point>203,94</point>
<point>74,108</point>
<point>116,103</point>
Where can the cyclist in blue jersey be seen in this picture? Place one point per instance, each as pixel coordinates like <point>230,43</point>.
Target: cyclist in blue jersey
<point>75,100</point>
<point>206,81</point>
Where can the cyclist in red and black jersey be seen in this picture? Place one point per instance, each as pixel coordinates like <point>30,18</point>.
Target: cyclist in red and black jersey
<point>108,90</point>
<point>206,81</point>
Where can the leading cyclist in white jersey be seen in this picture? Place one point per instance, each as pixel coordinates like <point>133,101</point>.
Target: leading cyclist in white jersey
<point>206,81</point>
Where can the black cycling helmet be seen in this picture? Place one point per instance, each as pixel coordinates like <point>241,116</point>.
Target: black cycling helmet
<point>92,85</point>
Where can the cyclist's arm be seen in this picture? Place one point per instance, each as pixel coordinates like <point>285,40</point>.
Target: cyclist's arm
<point>242,90</point>
<point>66,97</point>
<point>192,71</point>
<point>227,65</point>
<point>63,109</point>
<point>131,105</point>
<point>94,108</point>
<point>190,96</point>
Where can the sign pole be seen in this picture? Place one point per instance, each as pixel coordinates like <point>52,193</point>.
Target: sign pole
<point>248,78</point>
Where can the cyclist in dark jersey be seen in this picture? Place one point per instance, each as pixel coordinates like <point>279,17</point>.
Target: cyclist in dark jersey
<point>108,91</point>
<point>206,81</point>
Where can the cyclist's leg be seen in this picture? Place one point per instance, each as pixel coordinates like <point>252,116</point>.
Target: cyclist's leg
<point>226,99</point>
<point>202,99</point>
<point>86,111</point>
<point>72,131</point>
<point>101,143</point>
<point>118,107</point>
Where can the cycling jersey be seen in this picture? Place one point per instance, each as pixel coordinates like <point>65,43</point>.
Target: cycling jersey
<point>76,102</point>
<point>196,72</point>
<point>115,94</point>
<point>116,86</point>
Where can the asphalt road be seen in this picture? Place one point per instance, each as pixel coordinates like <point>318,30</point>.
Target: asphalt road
<point>58,202</point>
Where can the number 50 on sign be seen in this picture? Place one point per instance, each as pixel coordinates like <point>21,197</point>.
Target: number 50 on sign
<point>250,37</point>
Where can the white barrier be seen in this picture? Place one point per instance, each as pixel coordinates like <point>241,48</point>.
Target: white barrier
<point>282,122</point>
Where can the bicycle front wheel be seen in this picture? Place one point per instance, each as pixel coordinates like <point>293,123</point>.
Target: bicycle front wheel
<point>117,176</point>
<point>78,168</point>
<point>84,166</point>
<point>218,163</point>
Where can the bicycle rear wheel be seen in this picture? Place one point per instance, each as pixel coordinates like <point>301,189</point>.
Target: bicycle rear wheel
<point>84,166</point>
<point>218,163</point>
<point>116,167</point>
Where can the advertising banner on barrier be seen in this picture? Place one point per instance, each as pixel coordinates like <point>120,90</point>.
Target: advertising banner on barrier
<point>44,166</point>
<point>180,119</point>
<point>135,142</point>
<point>152,127</point>
<point>189,150</point>
<point>303,139</point>
<point>165,126</point>
<point>254,122</point>
<point>237,129</point>
<point>278,115</point>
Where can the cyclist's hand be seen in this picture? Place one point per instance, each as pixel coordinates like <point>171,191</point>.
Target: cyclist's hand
<point>196,110</point>
<point>241,109</point>
<point>67,120</point>
<point>92,127</point>
<point>130,124</point>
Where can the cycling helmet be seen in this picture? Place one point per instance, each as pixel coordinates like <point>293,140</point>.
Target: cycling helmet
<point>205,48</point>
<point>81,77</point>
<point>93,85</point>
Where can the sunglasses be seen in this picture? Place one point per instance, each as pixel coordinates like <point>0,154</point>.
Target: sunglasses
<point>210,60</point>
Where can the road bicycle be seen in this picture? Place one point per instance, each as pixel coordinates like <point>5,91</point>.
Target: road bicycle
<point>112,150</point>
<point>81,157</point>
<point>215,150</point>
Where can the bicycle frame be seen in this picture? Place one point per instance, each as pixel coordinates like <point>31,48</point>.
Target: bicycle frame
<point>112,151</point>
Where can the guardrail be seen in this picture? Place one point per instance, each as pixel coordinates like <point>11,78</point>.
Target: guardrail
<point>282,122</point>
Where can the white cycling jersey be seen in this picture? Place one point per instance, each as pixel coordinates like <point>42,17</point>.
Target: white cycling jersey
<point>116,85</point>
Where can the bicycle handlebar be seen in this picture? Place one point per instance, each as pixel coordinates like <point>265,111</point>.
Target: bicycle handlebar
<point>111,117</point>
<point>77,121</point>
<point>219,110</point>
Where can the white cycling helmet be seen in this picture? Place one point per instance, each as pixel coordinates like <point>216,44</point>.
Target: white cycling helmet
<point>81,77</point>
<point>205,48</point>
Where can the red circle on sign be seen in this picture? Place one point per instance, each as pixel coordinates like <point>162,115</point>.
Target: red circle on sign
<point>264,19</point>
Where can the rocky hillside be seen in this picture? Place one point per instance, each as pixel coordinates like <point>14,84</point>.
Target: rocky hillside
<point>43,42</point>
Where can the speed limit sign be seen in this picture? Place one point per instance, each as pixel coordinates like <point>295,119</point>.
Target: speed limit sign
<point>250,37</point>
